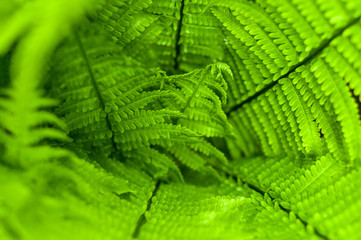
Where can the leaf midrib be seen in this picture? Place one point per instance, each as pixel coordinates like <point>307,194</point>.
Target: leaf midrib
<point>314,54</point>
<point>95,85</point>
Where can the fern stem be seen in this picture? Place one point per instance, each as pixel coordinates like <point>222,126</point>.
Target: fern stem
<point>95,85</point>
<point>142,220</point>
<point>288,211</point>
<point>313,54</point>
<point>177,38</point>
<point>193,95</point>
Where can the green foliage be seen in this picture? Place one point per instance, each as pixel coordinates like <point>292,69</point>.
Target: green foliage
<point>180,119</point>
<point>111,103</point>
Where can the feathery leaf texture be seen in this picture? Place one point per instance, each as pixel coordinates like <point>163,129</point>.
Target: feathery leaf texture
<point>180,119</point>
<point>107,102</point>
<point>320,191</point>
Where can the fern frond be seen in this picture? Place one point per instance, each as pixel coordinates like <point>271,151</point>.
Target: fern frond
<point>24,140</point>
<point>303,186</point>
<point>117,105</point>
<point>38,26</point>
<point>209,213</point>
<point>327,104</point>
<point>71,193</point>
<point>95,100</point>
<point>199,96</point>
<point>274,32</point>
